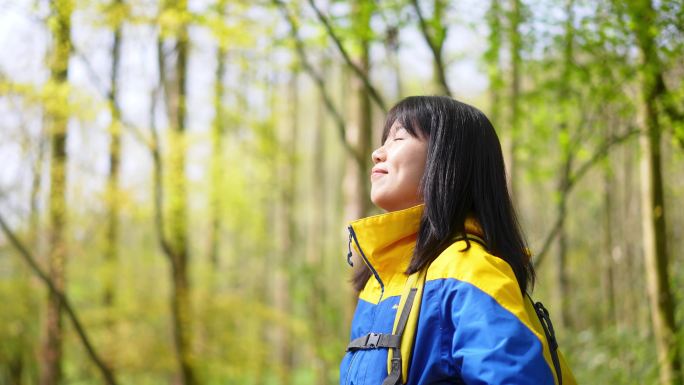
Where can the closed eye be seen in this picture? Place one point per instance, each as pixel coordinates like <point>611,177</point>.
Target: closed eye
<point>390,140</point>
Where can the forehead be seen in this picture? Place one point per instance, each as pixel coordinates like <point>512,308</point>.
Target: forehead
<point>396,126</point>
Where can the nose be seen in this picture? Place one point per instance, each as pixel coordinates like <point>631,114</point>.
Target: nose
<point>378,155</point>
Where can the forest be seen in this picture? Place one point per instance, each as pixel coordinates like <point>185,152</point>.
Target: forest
<point>177,176</point>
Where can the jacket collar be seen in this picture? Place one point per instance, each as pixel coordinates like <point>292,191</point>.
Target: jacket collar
<point>386,241</point>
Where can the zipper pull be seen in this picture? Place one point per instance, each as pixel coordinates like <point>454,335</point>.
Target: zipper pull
<point>349,253</point>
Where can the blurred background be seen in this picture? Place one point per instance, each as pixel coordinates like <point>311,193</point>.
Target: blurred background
<point>177,175</point>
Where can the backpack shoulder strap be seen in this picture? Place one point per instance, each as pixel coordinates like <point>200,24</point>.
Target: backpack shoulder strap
<point>405,323</point>
<point>550,334</point>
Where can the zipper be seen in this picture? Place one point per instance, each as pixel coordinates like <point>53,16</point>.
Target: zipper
<point>349,252</point>
<point>352,236</point>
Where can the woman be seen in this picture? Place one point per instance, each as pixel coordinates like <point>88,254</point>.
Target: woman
<point>451,229</point>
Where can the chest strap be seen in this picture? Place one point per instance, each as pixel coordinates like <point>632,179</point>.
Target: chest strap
<point>374,341</point>
<point>384,340</point>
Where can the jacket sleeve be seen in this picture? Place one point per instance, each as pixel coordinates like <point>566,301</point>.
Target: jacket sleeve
<point>493,342</point>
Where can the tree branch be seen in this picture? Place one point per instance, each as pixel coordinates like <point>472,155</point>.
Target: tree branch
<point>106,372</point>
<point>374,94</point>
<point>104,92</point>
<point>573,179</point>
<point>157,162</point>
<point>318,80</point>
<point>435,48</point>
<point>152,143</point>
<point>598,155</point>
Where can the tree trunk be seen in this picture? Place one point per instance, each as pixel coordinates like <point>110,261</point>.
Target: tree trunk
<point>36,185</point>
<point>316,245</point>
<point>18,367</point>
<point>392,48</point>
<point>633,265</point>
<point>652,197</point>
<point>440,35</point>
<point>364,137</point>
<point>607,260</point>
<point>655,251</point>
<point>360,133</point>
<point>562,276</point>
<point>217,134</point>
<point>266,358</point>
<point>176,247</point>
<point>112,201</point>
<point>492,57</point>
<point>608,274</point>
<point>51,355</point>
<point>283,285</point>
<point>515,48</point>
<point>112,231</point>
<point>178,220</point>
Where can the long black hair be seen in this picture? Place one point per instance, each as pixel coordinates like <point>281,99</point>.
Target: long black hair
<point>464,176</point>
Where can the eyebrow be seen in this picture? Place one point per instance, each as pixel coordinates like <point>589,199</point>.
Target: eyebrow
<point>399,128</point>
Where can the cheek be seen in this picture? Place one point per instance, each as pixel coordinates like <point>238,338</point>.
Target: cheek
<point>408,181</point>
<point>416,168</point>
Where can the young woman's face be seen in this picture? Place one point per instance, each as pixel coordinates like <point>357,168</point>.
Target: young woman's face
<point>399,167</point>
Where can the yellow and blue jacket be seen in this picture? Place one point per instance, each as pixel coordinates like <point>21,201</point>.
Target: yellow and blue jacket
<point>474,325</point>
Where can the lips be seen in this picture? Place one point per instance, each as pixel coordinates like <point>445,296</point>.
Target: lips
<point>377,171</point>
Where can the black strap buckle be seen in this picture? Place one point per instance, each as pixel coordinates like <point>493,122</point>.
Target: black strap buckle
<point>372,340</point>
<point>396,364</point>
<point>394,376</point>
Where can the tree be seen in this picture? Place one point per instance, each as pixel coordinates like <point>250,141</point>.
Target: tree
<point>356,137</point>
<point>60,25</point>
<point>315,251</point>
<point>83,337</point>
<point>567,158</point>
<point>174,241</point>
<point>493,61</point>
<point>434,32</point>
<point>656,256</point>
<point>217,135</point>
<point>113,205</point>
<point>286,265</point>
<point>515,41</point>
<point>360,130</point>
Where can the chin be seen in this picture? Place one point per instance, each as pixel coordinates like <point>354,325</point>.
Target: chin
<point>383,204</point>
<point>379,202</point>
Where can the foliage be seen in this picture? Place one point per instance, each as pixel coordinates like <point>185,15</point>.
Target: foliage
<point>274,305</point>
